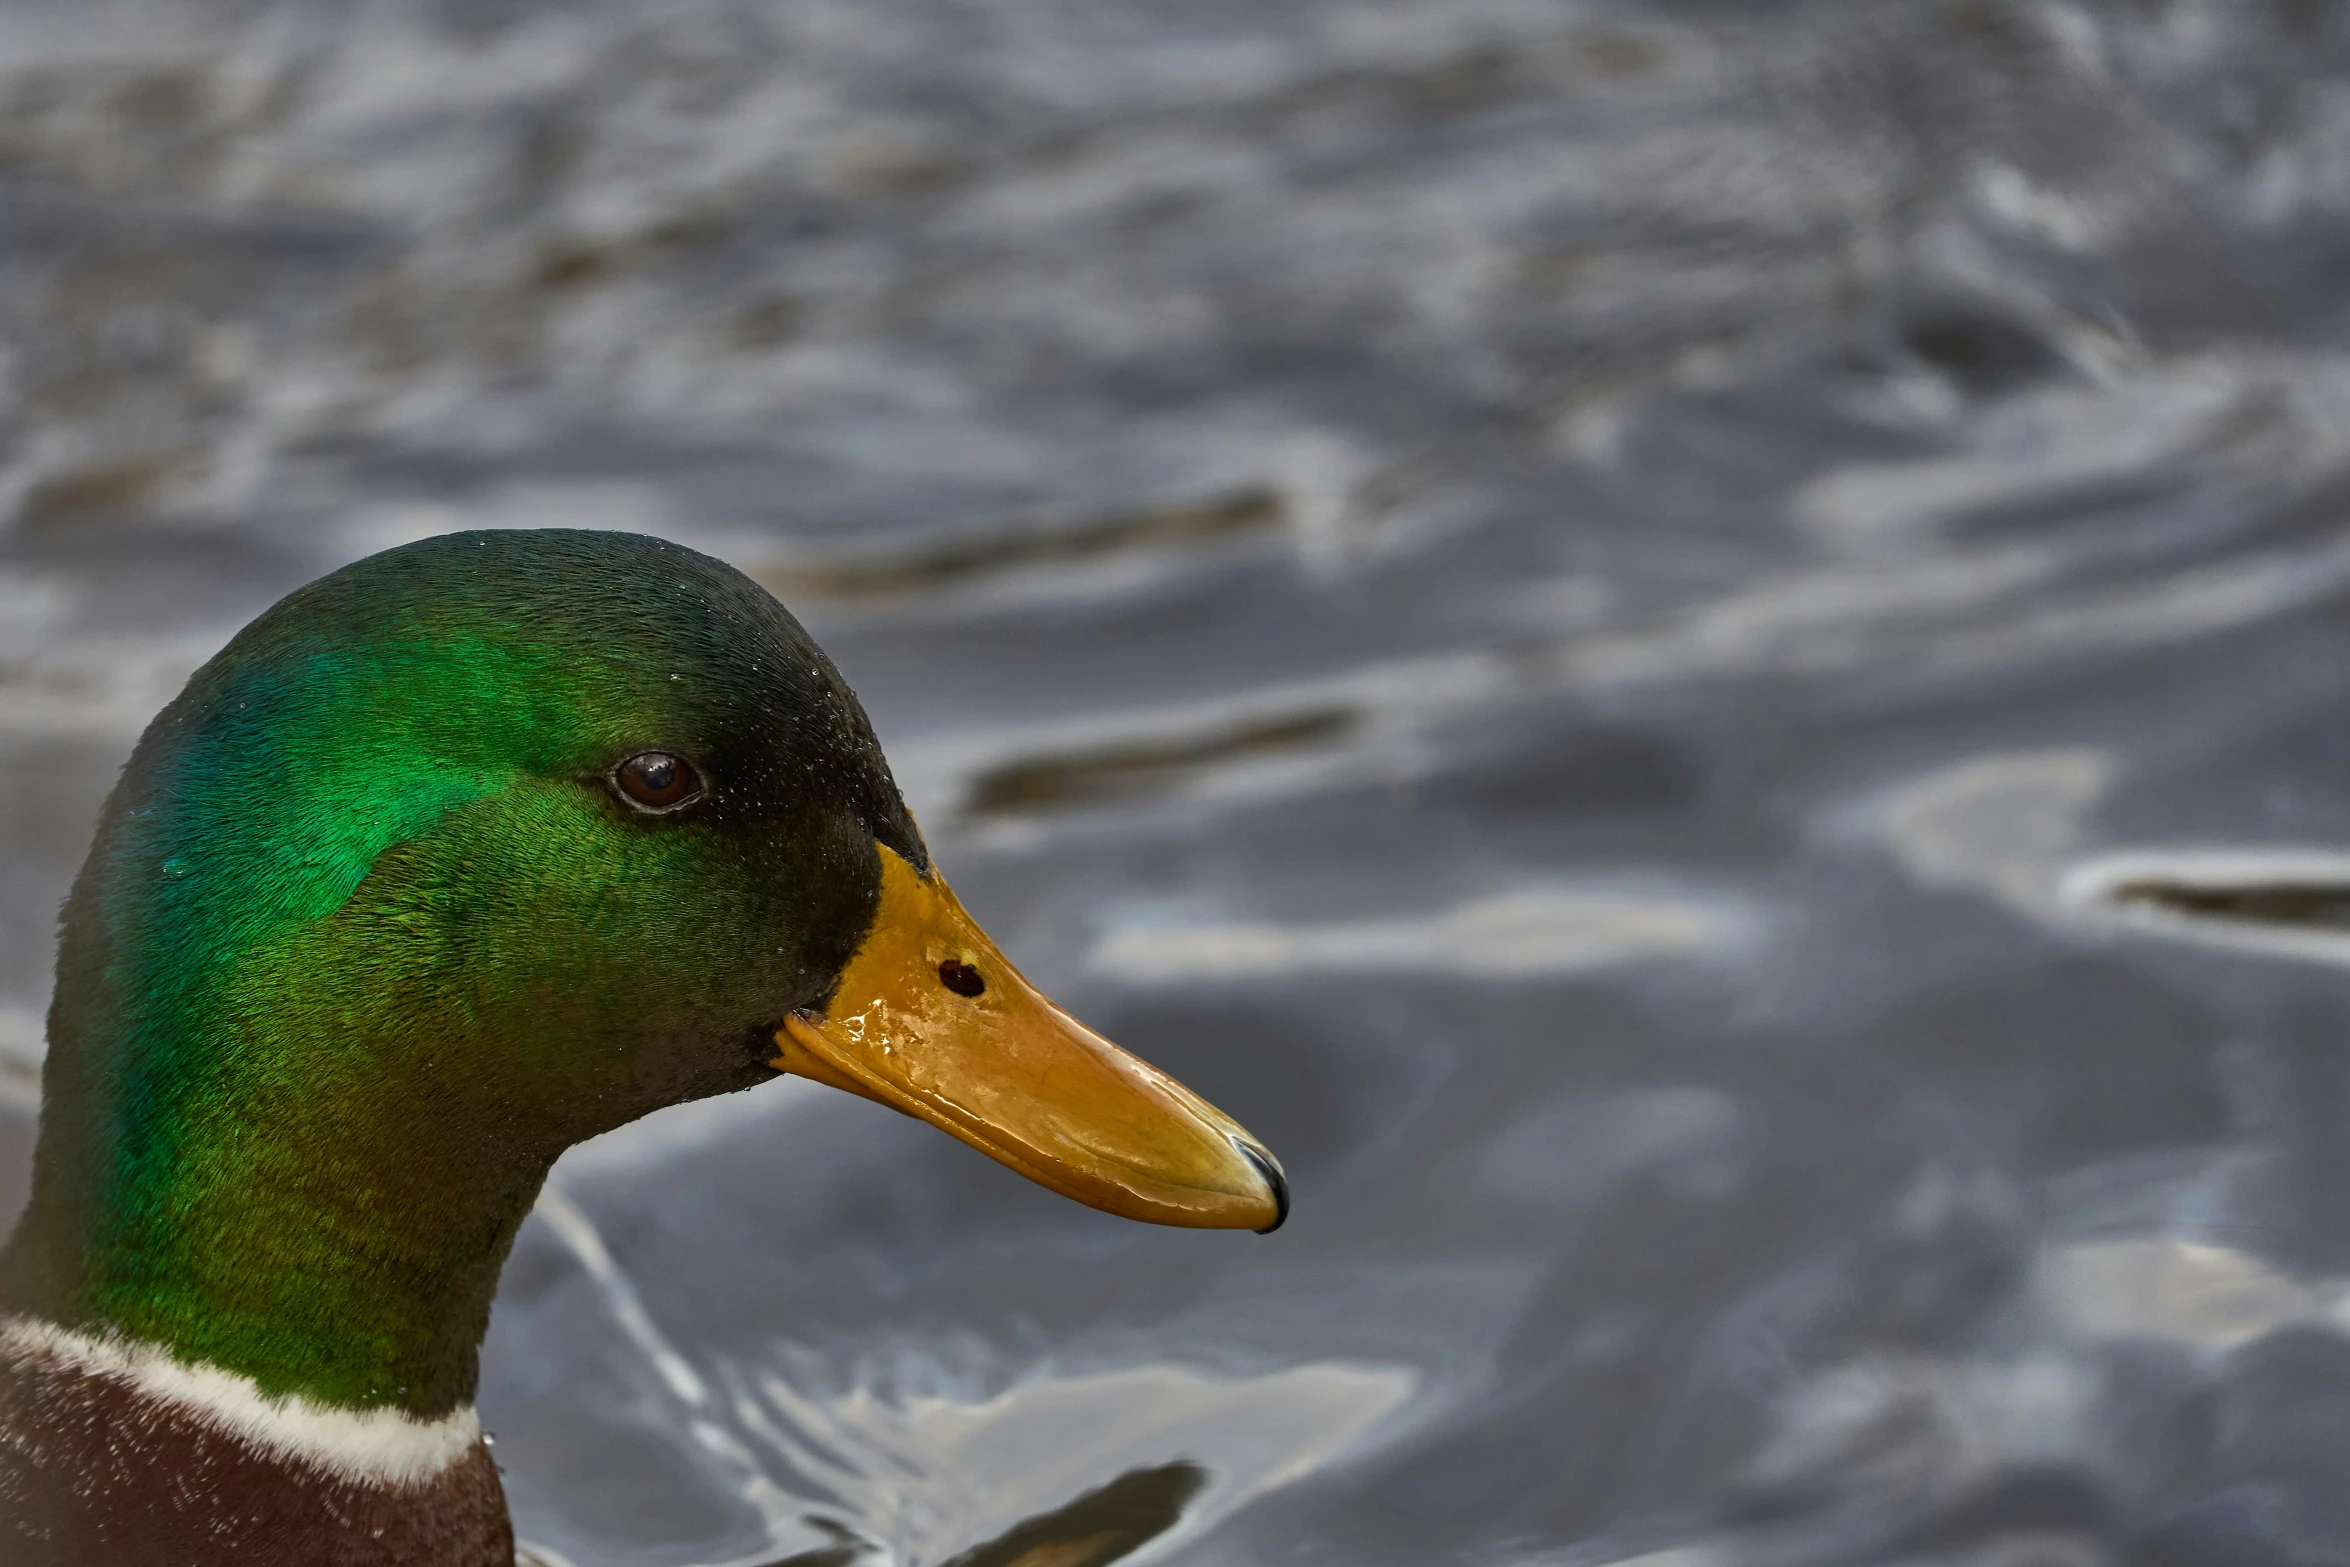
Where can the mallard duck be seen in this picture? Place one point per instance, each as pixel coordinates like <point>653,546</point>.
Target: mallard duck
<point>453,858</point>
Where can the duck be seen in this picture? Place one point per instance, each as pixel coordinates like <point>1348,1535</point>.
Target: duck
<point>456,857</point>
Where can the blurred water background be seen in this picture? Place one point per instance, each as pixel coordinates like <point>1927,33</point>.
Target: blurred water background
<point>1694,651</point>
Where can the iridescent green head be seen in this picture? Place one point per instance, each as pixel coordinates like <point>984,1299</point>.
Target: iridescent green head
<point>369,936</point>
<point>462,854</point>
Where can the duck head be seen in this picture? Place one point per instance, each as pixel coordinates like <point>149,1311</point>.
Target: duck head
<point>465,853</point>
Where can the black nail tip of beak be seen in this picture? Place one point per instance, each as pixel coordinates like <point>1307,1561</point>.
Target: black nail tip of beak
<point>1273,1178</point>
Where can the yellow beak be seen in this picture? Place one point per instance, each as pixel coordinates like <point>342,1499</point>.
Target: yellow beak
<point>930,1019</point>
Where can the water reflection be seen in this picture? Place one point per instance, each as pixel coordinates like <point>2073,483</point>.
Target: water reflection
<point>1693,652</point>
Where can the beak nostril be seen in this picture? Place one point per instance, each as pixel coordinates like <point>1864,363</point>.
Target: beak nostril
<point>1273,1178</point>
<point>961,977</point>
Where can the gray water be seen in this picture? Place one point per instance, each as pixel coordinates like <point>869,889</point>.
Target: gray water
<point>1695,652</point>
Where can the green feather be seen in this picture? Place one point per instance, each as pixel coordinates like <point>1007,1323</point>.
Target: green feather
<point>365,941</point>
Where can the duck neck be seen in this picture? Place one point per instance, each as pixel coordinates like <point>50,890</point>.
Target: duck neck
<point>280,1167</point>
<point>343,1250</point>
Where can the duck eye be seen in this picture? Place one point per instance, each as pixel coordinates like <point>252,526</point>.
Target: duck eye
<point>961,978</point>
<point>656,781</point>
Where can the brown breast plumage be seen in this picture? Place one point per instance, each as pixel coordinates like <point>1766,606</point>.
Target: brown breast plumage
<point>95,1469</point>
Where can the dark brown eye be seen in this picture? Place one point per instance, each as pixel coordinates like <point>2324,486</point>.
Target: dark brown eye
<point>656,781</point>
<point>961,978</point>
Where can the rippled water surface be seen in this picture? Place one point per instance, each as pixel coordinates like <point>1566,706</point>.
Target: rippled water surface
<point>1695,652</point>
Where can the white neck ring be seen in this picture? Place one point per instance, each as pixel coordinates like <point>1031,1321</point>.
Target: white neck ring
<point>381,1447</point>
